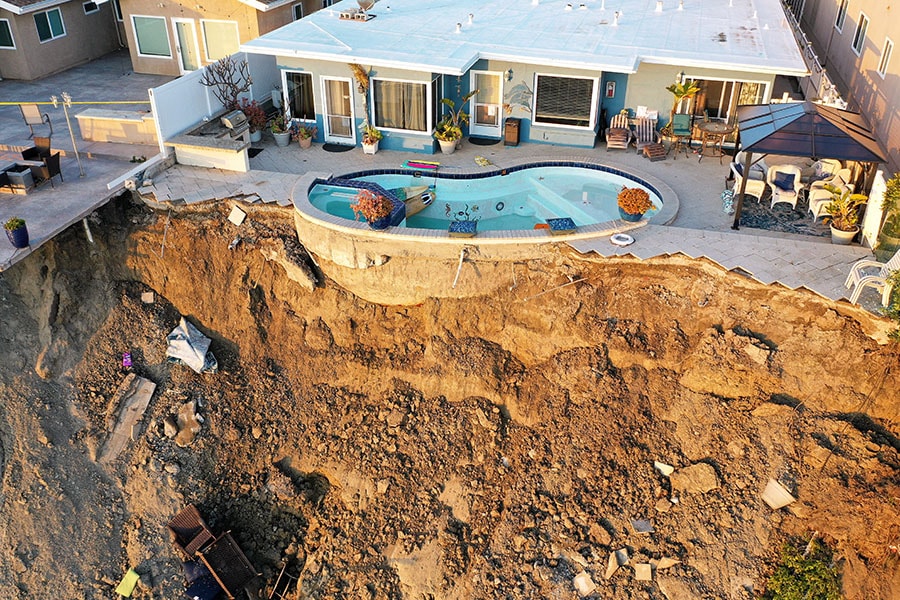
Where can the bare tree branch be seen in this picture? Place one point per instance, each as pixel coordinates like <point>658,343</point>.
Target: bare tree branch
<point>228,79</point>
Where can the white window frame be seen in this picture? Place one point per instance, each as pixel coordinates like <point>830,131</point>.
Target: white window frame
<point>294,8</point>
<point>117,7</point>
<point>137,44</point>
<point>859,37</point>
<point>237,35</point>
<point>595,90</point>
<point>327,3</point>
<point>61,22</point>
<point>84,7</point>
<point>429,117</point>
<point>11,36</point>
<point>285,99</point>
<point>841,16</point>
<point>886,51</point>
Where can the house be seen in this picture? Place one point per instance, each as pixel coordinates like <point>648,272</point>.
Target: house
<point>179,36</point>
<point>854,41</point>
<point>42,37</point>
<point>562,68</point>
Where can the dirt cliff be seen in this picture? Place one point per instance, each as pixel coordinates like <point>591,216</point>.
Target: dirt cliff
<point>499,446</point>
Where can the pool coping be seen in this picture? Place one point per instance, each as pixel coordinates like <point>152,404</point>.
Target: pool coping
<point>305,209</point>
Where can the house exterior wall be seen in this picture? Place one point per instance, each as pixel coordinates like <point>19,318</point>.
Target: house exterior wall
<point>86,37</point>
<point>857,78</point>
<point>250,23</point>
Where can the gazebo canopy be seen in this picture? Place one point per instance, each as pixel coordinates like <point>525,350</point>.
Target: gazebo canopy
<point>807,129</point>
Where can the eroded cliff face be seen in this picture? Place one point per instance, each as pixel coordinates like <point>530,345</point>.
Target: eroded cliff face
<point>482,447</point>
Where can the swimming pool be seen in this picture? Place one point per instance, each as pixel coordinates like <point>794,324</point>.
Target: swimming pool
<point>517,198</point>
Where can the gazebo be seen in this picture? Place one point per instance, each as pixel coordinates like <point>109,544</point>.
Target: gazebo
<point>803,129</point>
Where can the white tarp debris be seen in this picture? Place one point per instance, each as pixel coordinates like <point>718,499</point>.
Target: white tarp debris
<point>190,347</point>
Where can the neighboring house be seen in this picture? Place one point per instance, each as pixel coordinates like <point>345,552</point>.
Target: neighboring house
<point>854,40</point>
<point>175,37</point>
<point>41,37</point>
<point>562,67</point>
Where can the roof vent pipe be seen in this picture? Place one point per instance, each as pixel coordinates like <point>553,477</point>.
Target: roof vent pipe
<point>471,18</point>
<point>616,16</point>
<point>459,28</point>
<point>535,2</point>
<point>602,4</point>
<point>659,6</point>
<point>569,6</point>
<point>582,6</point>
<point>680,4</point>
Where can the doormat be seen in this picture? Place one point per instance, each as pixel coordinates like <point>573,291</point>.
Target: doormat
<point>337,147</point>
<point>781,218</point>
<point>479,141</point>
<point>254,151</point>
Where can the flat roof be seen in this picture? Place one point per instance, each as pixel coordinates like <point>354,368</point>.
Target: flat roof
<point>421,35</point>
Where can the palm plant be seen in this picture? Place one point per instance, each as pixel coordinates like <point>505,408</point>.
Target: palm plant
<point>450,127</point>
<point>681,90</point>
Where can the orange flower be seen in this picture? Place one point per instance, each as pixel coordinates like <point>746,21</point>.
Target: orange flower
<point>371,206</point>
<point>634,201</point>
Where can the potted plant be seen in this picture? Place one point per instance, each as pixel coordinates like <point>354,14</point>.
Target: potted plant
<point>843,213</point>
<point>256,118</point>
<point>449,130</point>
<point>633,203</point>
<point>374,208</point>
<point>303,133</point>
<point>370,139</point>
<point>17,232</point>
<point>680,90</point>
<point>890,205</point>
<point>281,130</point>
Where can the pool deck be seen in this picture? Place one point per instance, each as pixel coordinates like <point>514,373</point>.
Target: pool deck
<point>700,229</point>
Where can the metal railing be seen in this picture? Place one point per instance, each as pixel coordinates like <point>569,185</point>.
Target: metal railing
<point>818,85</point>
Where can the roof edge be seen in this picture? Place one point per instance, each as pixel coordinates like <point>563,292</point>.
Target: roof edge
<point>261,7</point>
<point>36,7</point>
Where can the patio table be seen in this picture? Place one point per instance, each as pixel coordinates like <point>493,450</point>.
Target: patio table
<point>713,134</point>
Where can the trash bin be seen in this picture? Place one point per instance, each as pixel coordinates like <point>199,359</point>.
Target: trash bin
<point>511,132</point>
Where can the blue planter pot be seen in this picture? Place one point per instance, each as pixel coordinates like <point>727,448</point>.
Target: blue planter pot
<point>18,238</point>
<point>630,217</point>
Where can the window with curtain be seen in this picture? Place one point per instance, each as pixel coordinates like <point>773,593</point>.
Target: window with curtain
<point>6,36</point>
<point>300,96</point>
<point>151,36</point>
<point>841,15</point>
<point>885,57</point>
<point>49,25</point>
<point>220,38</point>
<point>400,105</point>
<point>859,38</point>
<point>564,101</point>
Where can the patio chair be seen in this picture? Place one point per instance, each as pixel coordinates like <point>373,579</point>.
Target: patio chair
<point>189,532</point>
<point>618,134</point>
<point>39,151</point>
<point>48,171</point>
<point>755,187</point>
<point>839,178</point>
<point>33,116</point>
<point>818,197</point>
<point>784,181</point>
<point>758,169</point>
<point>5,183</point>
<point>645,134</point>
<point>859,278</point>
<point>681,132</point>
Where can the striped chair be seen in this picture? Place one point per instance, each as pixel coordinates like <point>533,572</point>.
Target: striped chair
<point>645,134</point>
<point>618,134</point>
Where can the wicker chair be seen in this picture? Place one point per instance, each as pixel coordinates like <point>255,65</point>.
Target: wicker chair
<point>48,171</point>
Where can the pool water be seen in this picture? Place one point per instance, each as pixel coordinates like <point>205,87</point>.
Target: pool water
<point>518,200</point>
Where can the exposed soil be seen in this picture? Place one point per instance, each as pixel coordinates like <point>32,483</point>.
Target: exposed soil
<point>487,447</point>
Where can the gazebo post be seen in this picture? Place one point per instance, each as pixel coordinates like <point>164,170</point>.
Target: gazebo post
<point>748,156</point>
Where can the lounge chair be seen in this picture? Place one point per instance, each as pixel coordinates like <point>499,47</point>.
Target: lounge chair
<point>33,116</point>
<point>645,134</point>
<point>858,278</point>
<point>755,187</point>
<point>618,134</point>
<point>784,181</point>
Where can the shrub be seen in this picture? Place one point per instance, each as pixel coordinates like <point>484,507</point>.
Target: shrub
<point>14,223</point>
<point>799,577</point>
<point>634,201</point>
<point>371,206</point>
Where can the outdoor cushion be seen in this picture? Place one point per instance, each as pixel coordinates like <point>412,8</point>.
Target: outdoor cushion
<point>784,181</point>
<point>739,168</point>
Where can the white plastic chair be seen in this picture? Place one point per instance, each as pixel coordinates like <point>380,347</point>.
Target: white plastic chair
<point>755,187</point>
<point>859,278</point>
<point>790,195</point>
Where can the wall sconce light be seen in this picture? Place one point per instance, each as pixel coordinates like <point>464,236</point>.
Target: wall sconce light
<point>509,75</point>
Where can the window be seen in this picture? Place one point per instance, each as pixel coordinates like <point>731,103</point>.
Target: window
<point>220,38</point>
<point>300,95</point>
<point>719,98</point>
<point>118,9</point>
<point>841,15</point>
<point>90,7</point>
<point>885,57</point>
<point>49,25</point>
<point>327,3</point>
<point>566,101</point>
<point>297,11</point>
<point>400,105</point>
<point>859,38</point>
<point>151,36</point>
<point>6,38</point>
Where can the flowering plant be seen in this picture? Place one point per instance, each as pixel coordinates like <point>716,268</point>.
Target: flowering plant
<point>256,116</point>
<point>371,134</point>
<point>634,201</point>
<point>371,206</point>
<point>301,131</point>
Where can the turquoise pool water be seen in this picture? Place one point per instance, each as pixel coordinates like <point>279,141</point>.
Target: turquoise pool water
<point>519,199</point>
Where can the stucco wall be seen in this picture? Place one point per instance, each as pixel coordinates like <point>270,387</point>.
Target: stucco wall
<point>251,24</point>
<point>87,37</point>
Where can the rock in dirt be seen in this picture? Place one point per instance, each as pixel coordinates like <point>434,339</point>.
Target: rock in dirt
<point>696,479</point>
<point>643,572</point>
<point>584,584</point>
<point>188,424</point>
<point>663,468</point>
<point>776,496</point>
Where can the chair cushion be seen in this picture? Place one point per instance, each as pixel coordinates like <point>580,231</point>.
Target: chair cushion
<point>739,169</point>
<point>784,181</point>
